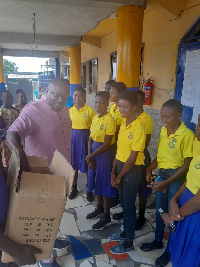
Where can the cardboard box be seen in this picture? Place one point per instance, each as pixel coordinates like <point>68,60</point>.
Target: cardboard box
<point>36,202</point>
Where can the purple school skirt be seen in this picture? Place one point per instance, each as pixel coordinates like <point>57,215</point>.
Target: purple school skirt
<point>185,242</point>
<point>79,149</point>
<point>99,180</point>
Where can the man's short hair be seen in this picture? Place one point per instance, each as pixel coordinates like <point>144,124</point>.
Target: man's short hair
<point>59,80</point>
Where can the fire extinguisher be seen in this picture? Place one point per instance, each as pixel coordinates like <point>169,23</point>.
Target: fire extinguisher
<point>148,91</point>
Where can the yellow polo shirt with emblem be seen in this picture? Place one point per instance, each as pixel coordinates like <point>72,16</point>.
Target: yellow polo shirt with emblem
<point>116,114</point>
<point>101,127</point>
<point>81,119</point>
<point>173,149</point>
<point>147,122</point>
<point>131,138</point>
<point>110,105</point>
<point>193,175</point>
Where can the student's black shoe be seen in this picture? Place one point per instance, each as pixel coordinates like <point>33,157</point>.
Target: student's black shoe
<point>146,247</point>
<point>95,214</point>
<point>104,221</point>
<point>117,216</point>
<point>73,193</point>
<point>114,203</point>
<point>90,196</point>
<point>140,223</point>
<point>163,260</point>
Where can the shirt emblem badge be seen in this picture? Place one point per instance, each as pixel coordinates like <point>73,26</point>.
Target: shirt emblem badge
<point>85,115</point>
<point>102,126</point>
<point>197,165</point>
<point>172,143</point>
<point>130,135</point>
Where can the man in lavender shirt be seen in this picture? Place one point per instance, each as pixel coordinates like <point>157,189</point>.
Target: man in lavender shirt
<point>45,126</point>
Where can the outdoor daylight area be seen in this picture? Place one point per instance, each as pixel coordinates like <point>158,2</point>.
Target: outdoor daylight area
<point>100,133</point>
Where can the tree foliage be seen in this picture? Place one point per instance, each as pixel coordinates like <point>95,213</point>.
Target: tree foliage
<point>9,66</point>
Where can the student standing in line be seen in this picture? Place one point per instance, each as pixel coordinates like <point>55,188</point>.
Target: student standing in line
<point>116,89</point>
<point>9,114</point>
<point>185,242</point>
<point>81,116</point>
<point>143,191</point>
<point>175,148</point>
<point>127,169</point>
<point>21,99</point>
<point>107,89</point>
<point>99,160</point>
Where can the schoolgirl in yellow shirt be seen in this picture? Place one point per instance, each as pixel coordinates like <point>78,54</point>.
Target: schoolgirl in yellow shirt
<point>185,208</point>
<point>81,116</point>
<point>100,160</point>
<point>175,151</point>
<point>127,168</point>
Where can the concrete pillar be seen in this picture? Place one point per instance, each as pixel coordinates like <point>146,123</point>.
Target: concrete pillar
<point>2,83</point>
<point>129,44</point>
<point>75,68</point>
<point>57,67</point>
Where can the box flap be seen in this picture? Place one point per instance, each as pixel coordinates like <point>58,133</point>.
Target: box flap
<point>14,171</point>
<point>37,162</point>
<point>60,166</point>
<point>46,184</point>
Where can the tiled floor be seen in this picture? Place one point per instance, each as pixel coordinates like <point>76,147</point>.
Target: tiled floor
<point>75,224</point>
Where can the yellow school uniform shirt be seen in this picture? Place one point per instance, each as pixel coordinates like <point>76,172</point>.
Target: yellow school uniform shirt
<point>147,122</point>
<point>81,119</point>
<point>173,149</point>
<point>193,175</point>
<point>131,138</point>
<point>116,114</point>
<point>110,105</point>
<point>100,127</point>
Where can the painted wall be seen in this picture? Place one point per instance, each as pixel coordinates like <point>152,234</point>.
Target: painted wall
<point>161,38</point>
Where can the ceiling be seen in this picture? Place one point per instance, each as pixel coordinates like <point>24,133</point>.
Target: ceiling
<point>58,23</point>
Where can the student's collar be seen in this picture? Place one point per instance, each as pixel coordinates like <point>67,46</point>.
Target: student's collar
<point>81,108</point>
<point>179,131</point>
<point>132,123</point>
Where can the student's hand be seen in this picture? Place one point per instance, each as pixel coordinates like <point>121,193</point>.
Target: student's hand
<point>113,180</point>
<point>88,158</point>
<point>92,166</point>
<point>149,176</point>
<point>118,180</point>
<point>25,255</point>
<point>167,218</point>
<point>175,211</point>
<point>159,186</point>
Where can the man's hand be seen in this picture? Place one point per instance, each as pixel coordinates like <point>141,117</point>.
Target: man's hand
<point>25,255</point>
<point>175,211</point>
<point>88,159</point>
<point>92,166</point>
<point>149,176</point>
<point>113,180</point>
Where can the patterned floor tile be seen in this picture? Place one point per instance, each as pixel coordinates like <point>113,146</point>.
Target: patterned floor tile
<point>125,264</point>
<point>94,245</point>
<point>75,203</point>
<point>85,263</point>
<point>104,257</point>
<point>145,229</point>
<point>107,248</point>
<point>68,225</point>
<point>83,224</point>
<point>145,257</point>
<point>66,261</point>
<point>101,263</point>
<point>80,251</point>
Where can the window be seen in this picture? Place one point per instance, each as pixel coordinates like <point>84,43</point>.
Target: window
<point>93,75</point>
<point>113,66</point>
<point>193,34</point>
